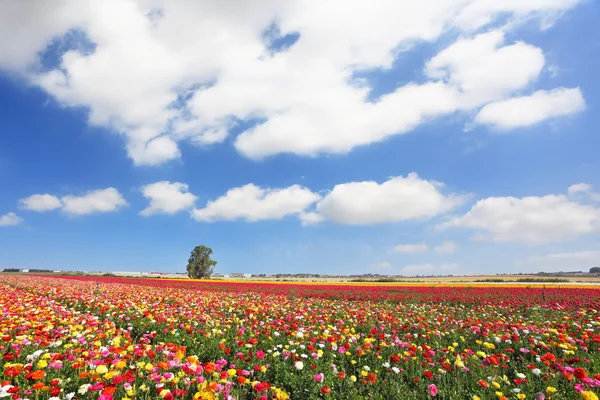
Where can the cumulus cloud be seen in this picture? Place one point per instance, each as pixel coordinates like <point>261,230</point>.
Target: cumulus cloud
<point>92,202</point>
<point>95,201</point>
<point>429,269</point>
<point>412,248</point>
<point>397,199</point>
<point>381,266</point>
<point>40,203</point>
<point>163,72</point>
<point>10,219</point>
<point>528,110</point>
<point>583,190</point>
<point>167,197</point>
<point>446,247</point>
<point>531,220</point>
<point>253,203</point>
<point>557,262</point>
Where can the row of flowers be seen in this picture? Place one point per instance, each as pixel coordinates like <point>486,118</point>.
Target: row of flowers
<point>123,339</point>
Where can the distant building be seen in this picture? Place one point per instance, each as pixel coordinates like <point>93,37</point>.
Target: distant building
<point>240,275</point>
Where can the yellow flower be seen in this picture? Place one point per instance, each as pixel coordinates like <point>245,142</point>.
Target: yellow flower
<point>231,372</point>
<point>499,394</point>
<point>587,395</point>
<point>353,378</point>
<point>281,395</point>
<point>475,397</point>
<point>496,385</point>
<point>521,396</point>
<point>101,369</point>
<point>42,364</point>
<point>550,389</point>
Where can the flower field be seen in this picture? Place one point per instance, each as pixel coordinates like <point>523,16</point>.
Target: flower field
<point>118,338</point>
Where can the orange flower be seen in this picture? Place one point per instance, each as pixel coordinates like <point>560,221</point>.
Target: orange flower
<point>37,375</point>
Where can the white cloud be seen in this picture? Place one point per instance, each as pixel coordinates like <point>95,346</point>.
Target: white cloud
<point>583,190</point>
<point>528,110</point>
<point>10,219</point>
<point>446,247</point>
<point>167,197</point>
<point>382,266</point>
<point>149,57</point>
<point>397,199</point>
<point>412,248</point>
<point>481,12</point>
<point>253,203</point>
<point>94,201</point>
<point>483,70</point>
<point>530,220</point>
<point>557,262</point>
<point>40,203</point>
<point>310,218</point>
<point>429,269</point>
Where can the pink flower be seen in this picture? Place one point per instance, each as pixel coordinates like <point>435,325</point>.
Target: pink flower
<point>433,391</point>
<point>318,377</point>
<point>260,354</point>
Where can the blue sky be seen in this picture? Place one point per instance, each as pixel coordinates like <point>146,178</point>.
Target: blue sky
<point>450,139</point>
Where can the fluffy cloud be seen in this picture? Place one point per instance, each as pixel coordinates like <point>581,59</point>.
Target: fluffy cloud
<point>446,247</point>
<point>528,110</point>
<point>429,269</point>
<point>557,262</point>
<point>253,203</point>
<point>92,202</point>
<point>530,220</point>
<point>483,70</point>
<point>95,201</point>
<point>10,219</point>
<point>40,203</point>
<point>167,197</point>
<point>583,190</point>
<point>397,199</point>
<point>163,72</point>
<point>411,248</point>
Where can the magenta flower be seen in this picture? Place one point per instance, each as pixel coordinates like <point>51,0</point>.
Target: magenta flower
<point>433,390</point>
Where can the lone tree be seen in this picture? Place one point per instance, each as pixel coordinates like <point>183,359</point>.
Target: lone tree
<point>595,270</point>
<point>200,264</point>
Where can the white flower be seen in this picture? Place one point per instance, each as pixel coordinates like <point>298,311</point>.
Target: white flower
<point>299,335</point>
<point>70,396</point>
<point>299,365</point>
<point>386,364</point>
<point>396,370</point>
<point>83,388</point>
<point>536,371</point>
<point>520,375</point>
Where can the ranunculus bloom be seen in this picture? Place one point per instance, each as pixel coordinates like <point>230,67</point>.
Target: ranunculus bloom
<point>433,390</point>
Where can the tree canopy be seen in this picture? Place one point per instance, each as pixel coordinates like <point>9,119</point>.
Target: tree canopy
<point>200,265</point>
<point>595,270</point>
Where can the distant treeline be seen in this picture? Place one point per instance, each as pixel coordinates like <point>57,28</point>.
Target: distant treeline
<point>30,270</point>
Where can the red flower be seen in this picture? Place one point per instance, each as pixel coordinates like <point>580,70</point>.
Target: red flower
<point>325,390</point>
<point>580,373</point>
